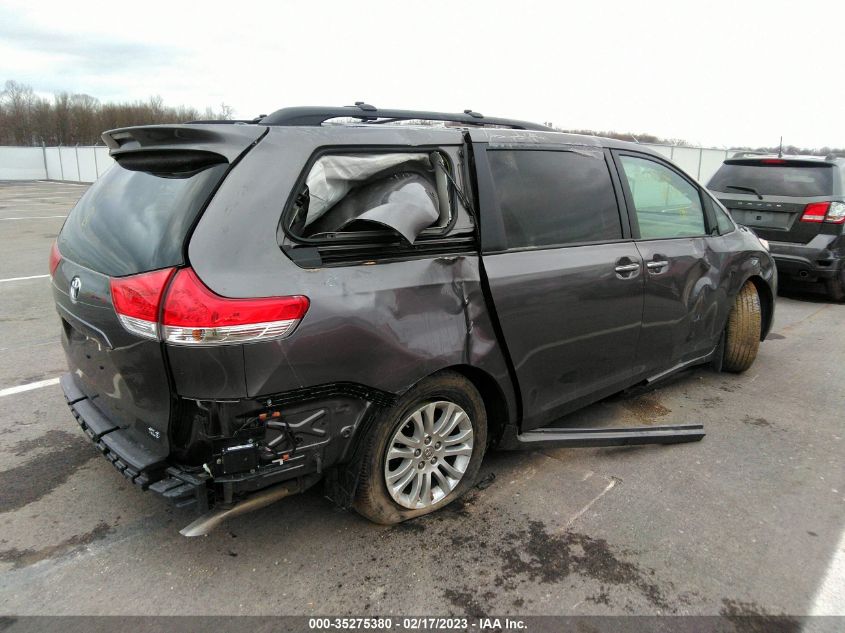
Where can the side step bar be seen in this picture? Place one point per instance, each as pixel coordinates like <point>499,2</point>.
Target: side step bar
<point>630,436</point>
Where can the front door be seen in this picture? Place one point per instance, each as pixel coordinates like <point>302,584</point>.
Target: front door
<point>668,220</point>
<point>565,278</point>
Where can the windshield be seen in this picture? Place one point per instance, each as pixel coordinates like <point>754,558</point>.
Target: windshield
<point>134,221</point>
<point>774,180</point>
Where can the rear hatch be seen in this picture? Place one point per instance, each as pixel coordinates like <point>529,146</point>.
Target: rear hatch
<point>134,219</point>
<point>771,195</point>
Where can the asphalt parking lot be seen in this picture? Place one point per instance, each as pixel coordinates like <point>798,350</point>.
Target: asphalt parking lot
<point>748,521</point>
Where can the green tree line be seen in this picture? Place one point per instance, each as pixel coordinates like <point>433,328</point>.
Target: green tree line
<point>71,119</point>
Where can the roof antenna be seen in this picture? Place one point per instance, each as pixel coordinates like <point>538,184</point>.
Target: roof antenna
<point>780,148</point>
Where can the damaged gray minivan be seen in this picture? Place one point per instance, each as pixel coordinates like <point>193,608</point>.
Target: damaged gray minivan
<point>361,297</point>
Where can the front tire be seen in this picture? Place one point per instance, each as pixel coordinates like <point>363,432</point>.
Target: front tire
<point>424,452</point>
<point>742,334</point>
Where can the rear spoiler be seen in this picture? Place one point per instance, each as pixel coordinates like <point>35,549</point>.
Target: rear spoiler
<point>227,141</point>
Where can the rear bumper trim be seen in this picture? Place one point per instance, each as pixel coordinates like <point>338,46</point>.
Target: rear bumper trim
<point>131,460</point>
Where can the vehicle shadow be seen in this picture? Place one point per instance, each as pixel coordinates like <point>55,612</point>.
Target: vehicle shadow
<point>806,292</point>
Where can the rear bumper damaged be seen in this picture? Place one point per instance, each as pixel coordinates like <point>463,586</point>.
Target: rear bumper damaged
<point>217,493</point>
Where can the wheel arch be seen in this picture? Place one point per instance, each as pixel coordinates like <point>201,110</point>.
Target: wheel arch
<point>495,402</point>
<point>767,303</point>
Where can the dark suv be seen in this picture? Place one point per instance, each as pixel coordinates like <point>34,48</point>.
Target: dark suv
<point>798,205</point>
<point>250,307</point>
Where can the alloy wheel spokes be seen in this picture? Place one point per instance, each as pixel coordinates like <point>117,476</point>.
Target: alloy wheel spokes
<point>428,454</point>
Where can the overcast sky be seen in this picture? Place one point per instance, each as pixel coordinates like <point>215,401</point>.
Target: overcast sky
<point>716,73</point>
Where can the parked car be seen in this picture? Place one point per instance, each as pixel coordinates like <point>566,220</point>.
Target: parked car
<point>249,308</point>
<point>797,203</point>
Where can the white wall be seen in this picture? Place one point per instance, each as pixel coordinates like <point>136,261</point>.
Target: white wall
<point>699,162</point>
<point>76,164</point>
<point>21,163</point>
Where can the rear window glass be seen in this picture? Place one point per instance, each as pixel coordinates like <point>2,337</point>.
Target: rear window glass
<point>552,198</point>
<point>133,221</point>
<point>774,180</point>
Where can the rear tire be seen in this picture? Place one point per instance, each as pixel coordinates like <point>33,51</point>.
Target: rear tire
<point>836,287</point>
<point>419,422</point>
<point>742,334</point>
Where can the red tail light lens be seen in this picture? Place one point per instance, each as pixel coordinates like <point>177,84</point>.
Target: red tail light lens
<point>55,258</point>
<point>194,315</point>
<point>815,212</point>
<point>137,299</point>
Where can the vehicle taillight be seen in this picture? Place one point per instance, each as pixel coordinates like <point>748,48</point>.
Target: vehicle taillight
<point>773,161</point>
<point>55,258</point>
<point>194,315</point>
<point>137,300</point>
<point>815,212</point>
<point>836,213</point>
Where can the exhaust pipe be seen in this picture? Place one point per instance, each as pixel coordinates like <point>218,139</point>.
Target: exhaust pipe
<point>211,519</point>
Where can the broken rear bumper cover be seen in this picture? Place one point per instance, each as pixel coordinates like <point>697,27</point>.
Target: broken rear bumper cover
<point>195,488</point>
<point>132,460</point>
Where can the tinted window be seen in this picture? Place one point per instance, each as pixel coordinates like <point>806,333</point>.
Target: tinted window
<point>775,180</point>
<point>667,205</point>
<point>555,197</point>
<point>133,221</point>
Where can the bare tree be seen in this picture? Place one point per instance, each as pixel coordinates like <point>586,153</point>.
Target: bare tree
<point>68,119</point>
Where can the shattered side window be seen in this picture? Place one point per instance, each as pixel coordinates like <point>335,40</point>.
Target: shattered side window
<point>404,193</point>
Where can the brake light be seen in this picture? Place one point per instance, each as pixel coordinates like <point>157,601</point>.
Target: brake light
<point>194,315</point>
<point>55,257</point>
<point>137,300</point>
<point>773,161</point>
<point>815,212</point>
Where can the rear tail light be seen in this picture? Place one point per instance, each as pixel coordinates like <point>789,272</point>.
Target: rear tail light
<point>137,300</point>
<point>831,212</point>
<point>191,314</point>
<point>55,258</point>
<point>836,213</point>
<point>194,315</point>
<point>815,212</point>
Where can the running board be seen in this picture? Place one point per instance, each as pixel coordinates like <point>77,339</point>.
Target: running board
<point>630,436</point>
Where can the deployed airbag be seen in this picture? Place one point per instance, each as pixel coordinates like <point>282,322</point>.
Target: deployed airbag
<point>404,202</point>
<point>332,177</point>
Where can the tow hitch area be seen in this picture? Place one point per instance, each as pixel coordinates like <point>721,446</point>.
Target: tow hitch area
<point>608,436</point>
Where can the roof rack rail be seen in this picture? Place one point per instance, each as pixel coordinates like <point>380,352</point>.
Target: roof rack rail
<point>229,121</point>
<point>316,115</point>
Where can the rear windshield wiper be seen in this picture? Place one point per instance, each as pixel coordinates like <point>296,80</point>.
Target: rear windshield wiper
<point>749,189</point>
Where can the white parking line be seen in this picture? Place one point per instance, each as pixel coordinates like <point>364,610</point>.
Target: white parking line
<point>36,217</point>
<point>830,597</point>
<point>9,391</point>
<point>23,278</point>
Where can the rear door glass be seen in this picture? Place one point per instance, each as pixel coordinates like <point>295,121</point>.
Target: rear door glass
<point>552,198</point>
<point>134,221</point>
<point>774,180</point>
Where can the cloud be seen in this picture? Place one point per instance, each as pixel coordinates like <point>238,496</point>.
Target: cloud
<point>84,53</point>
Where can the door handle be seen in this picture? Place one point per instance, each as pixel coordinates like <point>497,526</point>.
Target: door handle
<point>656,267</point>
<point>627,268</point>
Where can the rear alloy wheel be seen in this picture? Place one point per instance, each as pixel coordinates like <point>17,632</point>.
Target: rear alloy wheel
<point>424,452</point>
<point>428,455</point>
<point>742,334</point>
